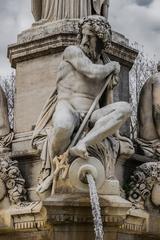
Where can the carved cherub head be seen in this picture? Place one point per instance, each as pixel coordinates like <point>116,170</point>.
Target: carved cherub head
<point>95,35</point>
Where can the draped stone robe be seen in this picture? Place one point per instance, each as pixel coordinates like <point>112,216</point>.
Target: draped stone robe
<point>51,10</point>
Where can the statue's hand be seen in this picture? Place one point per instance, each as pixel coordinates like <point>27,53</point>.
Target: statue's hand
<point>116,68</point>
<point>79,151</point>
<point>114,82</point>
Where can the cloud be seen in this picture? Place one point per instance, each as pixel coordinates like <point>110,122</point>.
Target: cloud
<point>138,20</point>
<point>144,2</point>
<point>15,16</point>
<point>138,23</point>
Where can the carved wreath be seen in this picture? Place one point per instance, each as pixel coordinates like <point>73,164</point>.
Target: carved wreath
<point>11,181</point>
<point>144,184</point>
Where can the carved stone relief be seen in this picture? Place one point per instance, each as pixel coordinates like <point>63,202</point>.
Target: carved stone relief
<point>11,181</point>
<point>145,185</point>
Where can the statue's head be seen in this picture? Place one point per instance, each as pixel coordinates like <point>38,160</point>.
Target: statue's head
<point>158,66</point>
<point>95,35</point>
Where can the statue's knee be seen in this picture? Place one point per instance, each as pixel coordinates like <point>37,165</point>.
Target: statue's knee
<point>62,132</point>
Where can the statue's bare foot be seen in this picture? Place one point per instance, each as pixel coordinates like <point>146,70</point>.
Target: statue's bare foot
<point>42,187</point>
<point>79,151</point>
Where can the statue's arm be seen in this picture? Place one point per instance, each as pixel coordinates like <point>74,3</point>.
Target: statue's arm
<point>156,106</point>
<point>83,64</point>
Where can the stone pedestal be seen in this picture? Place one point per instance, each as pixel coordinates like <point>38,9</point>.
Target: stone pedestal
<point>72,218</point>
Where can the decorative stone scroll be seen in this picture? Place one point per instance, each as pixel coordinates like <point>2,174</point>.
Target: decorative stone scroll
<point>11,181</point>
<point>145,185</point>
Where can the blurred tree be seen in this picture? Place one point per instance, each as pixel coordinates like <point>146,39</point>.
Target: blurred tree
<point>8,85</point>
<point>142,69</point>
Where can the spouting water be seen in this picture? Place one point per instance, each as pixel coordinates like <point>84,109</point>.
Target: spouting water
<point>98,225</point>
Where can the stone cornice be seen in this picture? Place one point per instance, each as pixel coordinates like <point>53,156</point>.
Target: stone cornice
<point>54,38</point>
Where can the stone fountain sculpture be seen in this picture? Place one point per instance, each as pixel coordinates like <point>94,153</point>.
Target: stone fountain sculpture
<point>76,137</point>
<point>76,134</point>
<point>82,74</point>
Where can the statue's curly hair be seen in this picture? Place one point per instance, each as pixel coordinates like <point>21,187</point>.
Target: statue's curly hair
<point>100,26</point>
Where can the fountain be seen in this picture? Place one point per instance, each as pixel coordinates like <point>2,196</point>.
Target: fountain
<point>66,213</point>
<point>76,203</point>
<point>90,174</point>
<point>98,225</point>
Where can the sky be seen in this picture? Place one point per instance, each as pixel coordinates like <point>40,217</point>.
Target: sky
<point>138,20</point>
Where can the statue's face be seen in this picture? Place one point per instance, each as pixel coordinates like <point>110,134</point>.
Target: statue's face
<point>89,43</point>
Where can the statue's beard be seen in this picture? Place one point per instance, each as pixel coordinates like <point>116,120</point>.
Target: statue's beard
<point>91,54</point>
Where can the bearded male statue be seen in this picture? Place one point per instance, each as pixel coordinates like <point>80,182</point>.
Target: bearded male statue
<point>52,10</point>
<point>82,74</point>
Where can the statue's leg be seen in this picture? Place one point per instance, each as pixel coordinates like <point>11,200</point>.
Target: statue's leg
<point>64,121</point>
<point>106,121</point>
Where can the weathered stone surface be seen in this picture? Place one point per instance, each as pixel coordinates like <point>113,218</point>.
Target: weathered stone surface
<point>27,216</point>
<point>66,209</point>
<point>11,181</point>
<point>36,57</point>
<point>35,80</point>
<point>145,186</point>
<point>93,75</point>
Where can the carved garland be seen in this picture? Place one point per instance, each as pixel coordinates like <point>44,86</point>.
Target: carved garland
<point>11,181</point>
<point>143,181</point>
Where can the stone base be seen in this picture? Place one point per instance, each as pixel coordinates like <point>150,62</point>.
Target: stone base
<point>29,215</point>
<point>69,216</point>
<point>72,218</point>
